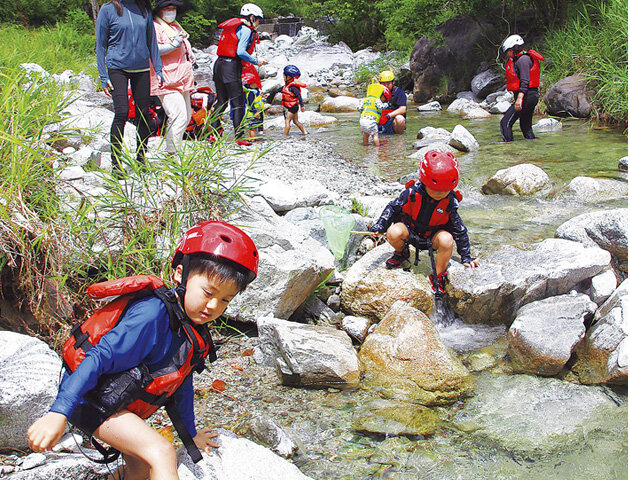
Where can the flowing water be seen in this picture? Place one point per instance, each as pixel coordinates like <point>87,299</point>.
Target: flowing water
<point>516,426</point>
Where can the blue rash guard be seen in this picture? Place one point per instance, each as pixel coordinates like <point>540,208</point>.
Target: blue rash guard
<point>125,42</point>
<point>245,38</point>
<point>142,335</point>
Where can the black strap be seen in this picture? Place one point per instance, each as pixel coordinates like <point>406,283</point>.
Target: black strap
<point>109,454</point>
<point>182,431</point>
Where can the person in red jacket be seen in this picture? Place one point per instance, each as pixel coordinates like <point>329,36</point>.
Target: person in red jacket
<point>213,262</point>
<point>522,73</point>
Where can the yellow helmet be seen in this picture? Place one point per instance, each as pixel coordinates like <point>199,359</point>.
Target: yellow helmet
<point>386,76</point>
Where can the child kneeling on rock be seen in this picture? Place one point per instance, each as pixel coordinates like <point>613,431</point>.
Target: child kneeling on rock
<point>428,209</point>
<point>160,337</point>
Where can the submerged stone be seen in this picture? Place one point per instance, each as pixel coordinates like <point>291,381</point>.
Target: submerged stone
<point>397,418</point>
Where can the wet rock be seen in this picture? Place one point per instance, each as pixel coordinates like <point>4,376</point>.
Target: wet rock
<point>291,264</point>
<point>500,107</point>
<point>427,142</point>
<point>485,82</point>
<point>569,98</point>
<point>430,107</point>
<point>478,113</point>
<point>441,147</point>
<point>390,417</point>
<point>519,180</point>
<point>547,125</point>
<point>434,133</point>
<point>592,189</point>
<point>29,381</point>
<point>370,290</point>
<point>603,355</point>
<point>405,358</point>
<point>512,277</point>
<point>356,327</point>
<point>308,355</point>
<point>462,106</point>
<point>500,96</point>
<point>62,466</point>
<point>623,164</point>
<point>462,139</point>
<point>338,92</point>
<point>268,433</point>
<point>340,104</point>
<point>603,286</point>
<point>480,361</point>
<point>544,333</point>
<point>237,458</point>
<point>607,229</point>
<point>511,413</point>
<point>308,118</point>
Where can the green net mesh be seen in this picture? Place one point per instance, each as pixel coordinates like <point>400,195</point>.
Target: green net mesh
<point>338,223</point>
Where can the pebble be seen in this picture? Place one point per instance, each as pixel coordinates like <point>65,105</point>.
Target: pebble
<point>33,460</point>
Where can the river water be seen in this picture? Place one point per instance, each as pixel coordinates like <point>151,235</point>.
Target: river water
<point>516,426</point>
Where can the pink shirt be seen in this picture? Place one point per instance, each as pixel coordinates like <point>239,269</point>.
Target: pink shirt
<point>176,67</point>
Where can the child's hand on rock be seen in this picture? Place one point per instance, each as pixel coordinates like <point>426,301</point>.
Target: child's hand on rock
<point>204,441</point>
<point>474,263</point>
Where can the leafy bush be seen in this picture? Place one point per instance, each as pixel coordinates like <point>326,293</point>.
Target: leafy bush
<point>199,28</point>
<point>36,12</point>
<point>80,21</point>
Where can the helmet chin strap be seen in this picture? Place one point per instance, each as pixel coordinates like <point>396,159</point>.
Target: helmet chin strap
<point>180,289</point>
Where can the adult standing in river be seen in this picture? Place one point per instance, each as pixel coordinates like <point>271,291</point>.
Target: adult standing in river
<point>125,49</point>
<point>177,63</point>
<point>522,73</point>
<point>236,44</point>
<point>394,117</point>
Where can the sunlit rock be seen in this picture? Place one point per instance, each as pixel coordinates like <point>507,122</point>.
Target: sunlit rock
<point>547,125</point>
<point>356,327</point>
<point>405,358</point>
<point>430,107</point>
<point>521,180</point>
<point>462,139</point>
<point>394,417</point>
<point>592,189</point>
<point>61,466</point>
<point>340,103</point>
<point>308,118</point>
<point>603,286</point>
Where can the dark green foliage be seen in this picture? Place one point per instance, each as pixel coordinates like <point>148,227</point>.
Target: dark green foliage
<point>36,12</point>
<point>199,28</point>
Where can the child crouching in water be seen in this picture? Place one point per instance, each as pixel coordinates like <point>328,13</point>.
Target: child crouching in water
<point>377,97</point>
<point>168,339</point>
<point>428,209</point>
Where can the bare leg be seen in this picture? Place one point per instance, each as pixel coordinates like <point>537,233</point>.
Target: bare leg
<point>397,235</point>
<point>366,138</point>
<point>377,142</point>
<point>299,125</point>
<point>287,123</point>
<point>400,124</point>
<point>443,243</point>
<point>147,453</point>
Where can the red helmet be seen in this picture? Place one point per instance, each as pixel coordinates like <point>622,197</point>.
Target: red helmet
<point>439,171</point>
<point>221,240</point>
<point>387,93</point>
<point>248,78</point>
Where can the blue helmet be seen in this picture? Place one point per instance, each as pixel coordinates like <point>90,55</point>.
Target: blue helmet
<point>292,71</point>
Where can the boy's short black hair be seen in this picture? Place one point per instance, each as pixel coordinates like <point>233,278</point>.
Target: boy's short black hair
<point>220,268</point>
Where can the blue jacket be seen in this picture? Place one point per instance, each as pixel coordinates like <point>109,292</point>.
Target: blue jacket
<point>125,42</point>
<point>245,37</point>
<point>142,335</point>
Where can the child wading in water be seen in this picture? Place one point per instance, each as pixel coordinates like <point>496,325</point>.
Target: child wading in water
<point>428,208</point>
<point>377,97</point>
<point>213,263</point>
<point>291,98</point>
<point>253,104</point>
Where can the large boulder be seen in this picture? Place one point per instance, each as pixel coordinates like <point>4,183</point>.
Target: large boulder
<point>339,104</point>
<point>29,381</point>
<point>308,355</point>
<point>291,264</point>
<point>603,355</point>
<point>370,290</point>
<point>405,358</point>
<point>512,277</point>
<point>463,140</point>
<point>569,97</point>
<point>520,180</point>
<point>607,229</point>
<point>594,189</point>
<point>303,193</point>
<point>485,83</point>
<point>237,459</point>
<point>544,333</point>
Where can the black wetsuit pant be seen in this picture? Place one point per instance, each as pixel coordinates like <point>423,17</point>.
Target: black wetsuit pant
<point>141,91</point>
<point>227,81</point>
<point>524,117</point>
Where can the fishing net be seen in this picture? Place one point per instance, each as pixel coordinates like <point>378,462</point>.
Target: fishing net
<point>338,223</point>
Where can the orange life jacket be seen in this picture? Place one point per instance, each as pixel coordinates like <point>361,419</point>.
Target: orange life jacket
<point>439,217</point>
<point>290,99</point>
<point>513,81</point>
<point>228,41</point>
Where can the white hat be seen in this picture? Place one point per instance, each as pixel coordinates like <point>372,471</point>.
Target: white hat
<point>251,9</point>
<point>511,42</point>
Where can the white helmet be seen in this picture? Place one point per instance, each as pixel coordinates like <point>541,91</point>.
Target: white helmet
<point>251,9</point>
<point>511,42</point>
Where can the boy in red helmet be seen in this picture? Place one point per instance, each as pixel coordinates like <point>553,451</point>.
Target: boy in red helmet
<point>213,263</point>
<point>428,209</point>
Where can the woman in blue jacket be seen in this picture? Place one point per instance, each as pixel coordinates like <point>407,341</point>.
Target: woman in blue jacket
<point>125,49</point>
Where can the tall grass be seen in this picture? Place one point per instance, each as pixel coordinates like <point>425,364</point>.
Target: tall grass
<point>595,43</point>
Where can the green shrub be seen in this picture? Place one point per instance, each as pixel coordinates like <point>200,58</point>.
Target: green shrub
<point>199,28</point>
<point>80,21</point>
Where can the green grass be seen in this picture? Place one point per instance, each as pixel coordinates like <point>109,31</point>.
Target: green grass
<point>594,43</point>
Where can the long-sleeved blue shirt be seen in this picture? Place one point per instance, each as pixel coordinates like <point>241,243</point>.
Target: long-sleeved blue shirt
<point>125,42</point>
<point>142,335</point>
<point>245,35</point>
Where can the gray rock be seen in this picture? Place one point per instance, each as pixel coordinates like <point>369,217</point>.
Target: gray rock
<point>470,96</point>
<point>434,133</point>
<point>500,107</point>
<point>334,302</point>
<point>340,104</point>
<point>308,355</point>
<point>62,466</point>
<point>569,98</point>
<point>237,458</point>
<point>33,460</point>
<point>314,309</point>
<point>430,107</point>
<point>439,146</point>
<point>29,381</point>
<point>519,180</point>
<point>544,333</point>
<point>500,96</point>
<point>477,113</point>
<point>593,189</point>
<point>603,286</point>
<point>607,229</point>
<point>485,82</point>
<point>308,118</point>
<point>547,125</point>
<point>427,142</point>
<point>356,327</point>
<point>623,164</point>
<point>270,434</point>
<point>463,140</point>
<point>462,106</point>
<point>512,277</point>
<point>303,193</point>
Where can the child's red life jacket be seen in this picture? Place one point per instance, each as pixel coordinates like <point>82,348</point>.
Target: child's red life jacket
<point>439,217</point>
<point>513,82</point>
<point>88,333</point>
<point>202,100</point>
<point>228,41</point>
<point>290,99</point>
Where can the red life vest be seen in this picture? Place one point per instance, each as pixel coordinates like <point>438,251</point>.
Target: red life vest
<point>228,41</point>
<point>197,346</point>
<point>513,81</point>
<point>290,99</point>
<point>440,215</point>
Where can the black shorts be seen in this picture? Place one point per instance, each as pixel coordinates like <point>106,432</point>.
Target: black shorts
<point>293,109</point>
<point>227,70</point>
<point>87,418</point>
